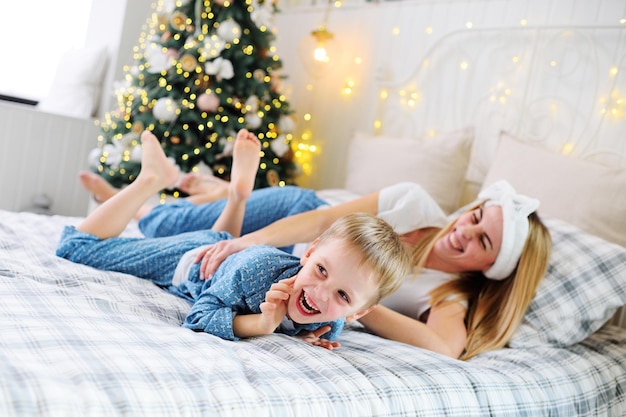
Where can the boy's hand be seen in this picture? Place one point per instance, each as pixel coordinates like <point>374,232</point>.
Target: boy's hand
<point>314,338</point>
<point>274,309</point>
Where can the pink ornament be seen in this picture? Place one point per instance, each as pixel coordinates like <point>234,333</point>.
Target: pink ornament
<point>208,102</point>
<point>172,53</point>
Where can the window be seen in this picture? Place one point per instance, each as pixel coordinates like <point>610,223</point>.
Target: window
<point>34,36</point>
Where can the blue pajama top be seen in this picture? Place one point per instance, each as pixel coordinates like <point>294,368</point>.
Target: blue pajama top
<point>238,286</point>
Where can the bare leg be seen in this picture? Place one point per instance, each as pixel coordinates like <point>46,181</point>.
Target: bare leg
<point>99,188</point>
<point>246,157</point>
<point>111,217</point>
<point>203,188</point>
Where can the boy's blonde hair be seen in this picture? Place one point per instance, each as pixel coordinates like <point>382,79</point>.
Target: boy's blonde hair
<point>380,247</point>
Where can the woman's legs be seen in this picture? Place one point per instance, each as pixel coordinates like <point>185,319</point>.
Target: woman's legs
<point>111,218</point>
<point>265,206</point>
<point>99,188</point>
<point>203,188</point>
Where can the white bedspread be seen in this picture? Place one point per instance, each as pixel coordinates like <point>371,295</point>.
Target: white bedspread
<point>76,341</point>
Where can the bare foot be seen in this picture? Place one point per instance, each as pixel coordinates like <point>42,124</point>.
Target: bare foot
<point>156,170</point>
<point>246,157</point>
<point>99,188</point>
<point>194,183</point>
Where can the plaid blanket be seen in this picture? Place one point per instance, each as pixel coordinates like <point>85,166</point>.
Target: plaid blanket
<point>75,341</point>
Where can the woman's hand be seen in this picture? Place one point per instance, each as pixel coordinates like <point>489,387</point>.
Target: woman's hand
<point>314,338</point>
<point>213,256</point>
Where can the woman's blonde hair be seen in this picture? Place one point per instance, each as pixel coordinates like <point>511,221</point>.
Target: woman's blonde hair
<point>495,308</point>
<point>380,246</point>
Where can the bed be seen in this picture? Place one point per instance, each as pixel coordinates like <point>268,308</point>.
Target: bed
<point>81,342</point>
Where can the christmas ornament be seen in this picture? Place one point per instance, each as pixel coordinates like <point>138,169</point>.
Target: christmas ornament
<point>208,102</point>
<point>157,59</point>
<point>165,109</point>
<point>253,121</point>
<point>286,124</point>
<point>220,67</point>
<point>229,30</point>
<point>188,63</point>
<point>280,146</point>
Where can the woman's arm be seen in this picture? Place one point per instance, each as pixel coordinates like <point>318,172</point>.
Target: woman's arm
<point>444,331</point>
<point>303,227</point>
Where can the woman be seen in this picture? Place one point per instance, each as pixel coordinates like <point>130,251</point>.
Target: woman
<point>477,272</point>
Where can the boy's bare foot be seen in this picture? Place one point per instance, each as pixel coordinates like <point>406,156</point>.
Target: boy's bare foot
<point>97,186</point>
<point>246,158</point>
<point>156,170</point>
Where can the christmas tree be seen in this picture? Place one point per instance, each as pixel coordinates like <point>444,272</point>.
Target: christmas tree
<point>204,70</point>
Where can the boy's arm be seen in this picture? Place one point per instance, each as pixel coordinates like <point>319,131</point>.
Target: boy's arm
<point>273,310</point>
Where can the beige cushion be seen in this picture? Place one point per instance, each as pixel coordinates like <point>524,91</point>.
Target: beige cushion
<point>77,84</point>
<point>586,194</point>
<point>438,163</point>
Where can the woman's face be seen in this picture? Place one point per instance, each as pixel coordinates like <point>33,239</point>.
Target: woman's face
<point>472,244</point>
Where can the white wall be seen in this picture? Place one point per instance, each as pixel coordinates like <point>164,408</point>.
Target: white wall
<point>390,38</point>
<point>118,25</point>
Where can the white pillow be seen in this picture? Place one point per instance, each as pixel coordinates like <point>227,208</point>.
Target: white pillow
<point>585,194</point>
<point>438,163</point>
<point>76,87</point>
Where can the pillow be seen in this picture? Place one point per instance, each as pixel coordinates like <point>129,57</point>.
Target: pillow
<point>438,163</point>
<point>584,285</point>
<point>75,90</point>
<point>585,194</point>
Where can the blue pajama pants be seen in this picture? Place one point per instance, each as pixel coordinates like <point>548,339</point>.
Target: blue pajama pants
<point>265,206</point>
<point>154,259</point>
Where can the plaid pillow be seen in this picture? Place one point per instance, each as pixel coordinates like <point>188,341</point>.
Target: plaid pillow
<point>584,285</point>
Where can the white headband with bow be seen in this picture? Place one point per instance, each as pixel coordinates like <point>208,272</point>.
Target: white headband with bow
<point>515,211</point>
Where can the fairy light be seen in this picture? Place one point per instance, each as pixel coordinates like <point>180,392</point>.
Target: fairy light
<point>567,148</point>
<point>614,106</point>
<point>500,93</point>
<point>377,124</point>
<point>348,87</point>
<point>613,71</point>
<point>305,153</point>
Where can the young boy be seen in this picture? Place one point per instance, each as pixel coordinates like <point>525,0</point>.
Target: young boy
<point>344,273</point>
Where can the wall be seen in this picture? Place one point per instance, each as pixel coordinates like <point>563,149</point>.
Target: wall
<point>41,154</point>
<point>116,24</point>
<point>388,39</point>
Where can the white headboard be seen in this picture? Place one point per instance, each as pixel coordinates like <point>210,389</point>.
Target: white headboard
<point>562,86</point>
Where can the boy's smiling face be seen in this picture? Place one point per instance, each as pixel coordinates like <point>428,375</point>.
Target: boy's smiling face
<point>333,283</point>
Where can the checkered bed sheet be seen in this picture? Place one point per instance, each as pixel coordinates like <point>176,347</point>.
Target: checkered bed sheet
<point>76,341</point>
